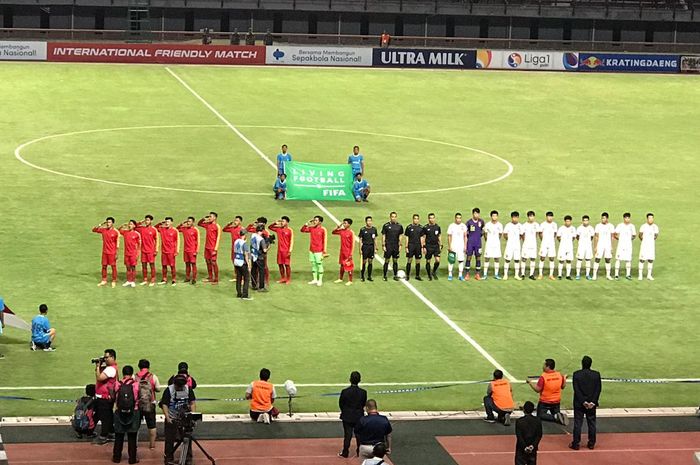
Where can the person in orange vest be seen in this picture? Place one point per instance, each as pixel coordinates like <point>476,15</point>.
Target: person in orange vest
<point>549,386</point>
<point>262,395</point>
<point>385,39</point>
<point>499,399</point>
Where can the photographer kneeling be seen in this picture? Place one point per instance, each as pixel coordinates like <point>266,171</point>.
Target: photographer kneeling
<point>177,400</point>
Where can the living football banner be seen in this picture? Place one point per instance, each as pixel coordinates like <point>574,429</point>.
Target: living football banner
<point>318,181</point>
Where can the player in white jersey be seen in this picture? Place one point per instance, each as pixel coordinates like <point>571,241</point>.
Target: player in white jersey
<point>513,233</point>
<point>625,233</point>
<point>566,235</point>
<point>548,248</point>
<point>494,231</point>
<point>457,245</point>
<point>529,231</point>
<point>648,232</point>
<point>602,245</point>
<point>584,234</point>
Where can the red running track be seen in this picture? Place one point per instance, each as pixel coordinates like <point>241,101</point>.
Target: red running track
<point>611,449</point>
<point>234,452</point>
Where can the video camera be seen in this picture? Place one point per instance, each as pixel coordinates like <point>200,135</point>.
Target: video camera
<point>186,421</point>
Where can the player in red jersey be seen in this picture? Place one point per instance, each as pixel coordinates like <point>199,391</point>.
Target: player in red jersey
<point>253,228</point>
<point>234,228</point>
<point>347,247</point>
<point>318,246</point>
<point>285,245</point>
<point>170,247</point>
<point>211,246</point>
<point>190,236</point>
<point>132,247</point>
<point>150,243</point>
<point>110,247</point>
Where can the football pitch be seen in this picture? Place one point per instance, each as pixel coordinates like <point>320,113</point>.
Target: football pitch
<point>125,141</point>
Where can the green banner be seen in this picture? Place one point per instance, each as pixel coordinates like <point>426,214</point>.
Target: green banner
<point>318,181</point>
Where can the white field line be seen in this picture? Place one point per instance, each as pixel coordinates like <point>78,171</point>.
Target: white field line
<point>408,285</point>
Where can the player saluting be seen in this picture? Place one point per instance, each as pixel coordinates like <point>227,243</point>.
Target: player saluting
<point>432,245</point>
<point>565,236</point>
<point>602,245</point>
<point>150,243</point>
<point>318,246</point>
<point>132,246</point>
<point>414,246</point>
<point>282,158</point>
<point>190,235</point>
<point>475,229</point>
<point>625,233</point>
<point>456,244</point>
<point>170,247</point>
<point>548,231</point>
<point>211,246</point>
<point>347,246</point>
<point>110,247</point>
<point>285,244</point>
<point>513,232</point>
<point>584,234</point>
<point>648,232</point>
<point>357,162</point>
<point>234,228</point>
<point>368,237</point>
<point>494,231</point>
<point>391,244</point>
<point>529,231</point>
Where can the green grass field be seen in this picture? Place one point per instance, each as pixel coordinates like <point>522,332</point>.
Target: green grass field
<point>579,143</point>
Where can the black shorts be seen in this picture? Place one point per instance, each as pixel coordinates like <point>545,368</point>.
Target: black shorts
<point>432,251</point>
<point>367,251</point>
<point>414,251</point>
<point>392,252</point>
<point>150,418</point>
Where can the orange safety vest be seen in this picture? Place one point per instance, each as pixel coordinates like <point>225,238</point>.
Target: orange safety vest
<point>551,391</point>
<point>501,395</point>
<point>261,400</point>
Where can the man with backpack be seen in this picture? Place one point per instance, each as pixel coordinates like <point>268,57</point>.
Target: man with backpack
<point>148,386</point>
<point>127,418</point>
<point>83,421</point>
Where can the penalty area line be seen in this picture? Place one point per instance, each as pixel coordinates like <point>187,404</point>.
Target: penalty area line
<point>408,285</point>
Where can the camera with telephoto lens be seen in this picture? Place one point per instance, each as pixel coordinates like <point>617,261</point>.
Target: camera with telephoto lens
<point>98,361</point>
<point>271,240</point>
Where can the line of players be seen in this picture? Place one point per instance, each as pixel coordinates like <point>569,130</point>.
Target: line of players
<point>146,239</point>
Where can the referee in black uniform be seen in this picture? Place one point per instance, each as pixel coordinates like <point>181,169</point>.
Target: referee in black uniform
<point>391,243</point>
<point>414,246</point>
<point>433,245</point>
<point>368,236</point>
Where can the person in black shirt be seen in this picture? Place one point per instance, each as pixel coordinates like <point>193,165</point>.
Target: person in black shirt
<point>432,243</point>
<point>368,236</point>
<point>352,402</point>
<point>528,431</point>
<point>391,244</point>
<point>371,430</point>
<point>414,246</point>
<point>587,387</point>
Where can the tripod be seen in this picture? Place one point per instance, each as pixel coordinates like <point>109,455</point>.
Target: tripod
<point>186,443</point>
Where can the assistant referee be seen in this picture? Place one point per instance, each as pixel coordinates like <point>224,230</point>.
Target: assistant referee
<point>391,243</point>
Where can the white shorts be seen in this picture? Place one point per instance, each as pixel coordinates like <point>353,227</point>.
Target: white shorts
<point>529,252</point>
<point>623,254</point>
<point>492,251</point>
<point>459,255</point>
<point>604,252</point>
<point>647,253</point>
<point>565,254</point>
<point>585,253</point>
<point>548,250</point>
<point>512,253</point>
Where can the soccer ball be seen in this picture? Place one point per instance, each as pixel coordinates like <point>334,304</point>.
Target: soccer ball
<point>401,274</point>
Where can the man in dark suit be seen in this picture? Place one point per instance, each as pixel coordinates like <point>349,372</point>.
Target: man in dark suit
<point>587,387</point>
<point>528,431</point>
<point>352,402</point>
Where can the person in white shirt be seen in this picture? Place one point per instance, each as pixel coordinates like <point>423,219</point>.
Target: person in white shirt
<point>566,235</point>
<point>378,453</point>
<point>494,232</point>
<point>513,233</point>
<point>602,245</point>
<point>648,232</point>
<point>529,232</point>
<point>457,245</point>
<point>625,233</point>
<point>548,231</point>
<point>584,234</point>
